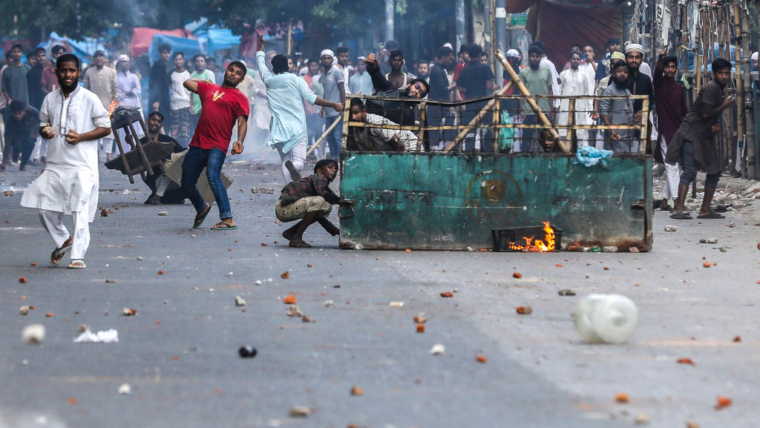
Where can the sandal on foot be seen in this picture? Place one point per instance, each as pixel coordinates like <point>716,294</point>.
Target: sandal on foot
<point>57,255</point>
<point>290,233</point>
<point>298,243</point>
<point>712,216</point>
<point>201,216</point>
<point>77,264</point>
<point>223,226</point>
<point>681,215</point>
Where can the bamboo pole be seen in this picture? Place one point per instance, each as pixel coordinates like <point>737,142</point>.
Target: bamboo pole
<point>698,57</point>
<point>541,116</point>
<point>476,120</point>
<point>739,105</point>
<point>749,134</point>
<point>324,135</point>
<point>571,121</point>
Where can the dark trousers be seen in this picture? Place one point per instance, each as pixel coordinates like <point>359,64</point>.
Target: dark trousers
<point>212,159</point>
<point>16,148</point>
<point>690,169</point>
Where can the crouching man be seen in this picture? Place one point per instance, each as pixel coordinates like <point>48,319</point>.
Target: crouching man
<point>310,200</point>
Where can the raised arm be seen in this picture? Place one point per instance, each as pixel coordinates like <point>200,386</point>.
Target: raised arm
<point>378,80</point>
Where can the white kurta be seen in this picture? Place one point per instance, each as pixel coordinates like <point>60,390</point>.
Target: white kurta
<point>70,180</point>
<point>574,83</point>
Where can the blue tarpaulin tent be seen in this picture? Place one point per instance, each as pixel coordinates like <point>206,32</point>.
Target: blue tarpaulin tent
<point>189,46</point>
<point>221,38</point>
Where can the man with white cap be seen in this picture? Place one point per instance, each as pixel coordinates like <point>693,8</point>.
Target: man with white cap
<point>128,92</point>
<point>754,61</point>
<point>639,83</point>
<point>335,92</point>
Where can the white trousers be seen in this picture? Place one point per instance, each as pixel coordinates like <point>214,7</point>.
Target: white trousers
<point>106,144</point>
<point>297,155</point>
<point>672,176</point>
<point>52,221</point>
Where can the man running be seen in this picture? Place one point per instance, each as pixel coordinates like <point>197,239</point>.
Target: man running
<point>285,92</point>
<point>222,107</point>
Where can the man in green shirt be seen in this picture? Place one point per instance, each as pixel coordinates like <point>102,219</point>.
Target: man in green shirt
<point>538,81</point>
<point>201,73</point>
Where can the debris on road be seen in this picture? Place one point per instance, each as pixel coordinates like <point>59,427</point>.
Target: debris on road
<point>285,275</point>
<point>163,213</point>
<point>622,398</point>
<point>566,292</point>
<point>356,391</point>
<point>23,280</point>
<point>706,264</point>
<point>264,190</point>
<point>258,282</point>
<point>329,303</point>
<point>447,294</point>
<point>517,275</point>
<point>103,213</point>
<point>289,299</point>
<point>481,359</point>
<point>239,301</point>
<point>9,192</point>
<point>125,389</point>
<point>110,281</point>
<point>737,339</point>
<point>610,318</point>
<point>24,310</point>
<point>709,241</point>
<point>33,334</point>
<point>247,352</point>
<point>723,402</point>
<point>609,249</point>
<point>669,228</point>
<point>107,336</point>
<point>420,319</point>
<point>127,312</point>
<point>161,272</point>
<point>642,419</point>
<point>686,361</point>
<point>524,310</point>
<point>299,412</point>
<point>396,304</point>
<point>420,328</point>
<point>49,315</point>
<point>437,349</point>
<point>293,311</point>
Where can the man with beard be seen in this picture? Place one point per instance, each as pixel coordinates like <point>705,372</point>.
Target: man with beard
<point>694,144</point>
<point>34,78</point>
<point>574,82</point>
<point>615,58</point>
<point>440,90</point>
<point>671,109</point>
<point>638,83</point>
<point>395,111</point>
<point>222,106</point>
<point>538,80</point>
<point>618,112</point>
<point>101,80</point>
<point>73,119</point>
<point>286,93</point>
<point>341,54</point>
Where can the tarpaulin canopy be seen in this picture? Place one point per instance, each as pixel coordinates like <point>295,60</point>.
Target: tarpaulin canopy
<point>142,36</point>
<point>221,38</point>
<point>561,23</point>
<point>86,47</point>
<point>189,47</point>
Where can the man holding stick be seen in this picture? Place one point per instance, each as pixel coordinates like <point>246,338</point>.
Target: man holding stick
<point>285,92</point>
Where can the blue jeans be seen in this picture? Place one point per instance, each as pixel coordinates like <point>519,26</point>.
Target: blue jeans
<point>212,159</point>
<point>334,138</point>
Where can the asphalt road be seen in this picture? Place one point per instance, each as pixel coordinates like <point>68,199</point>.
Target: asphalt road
<point>179,352</point>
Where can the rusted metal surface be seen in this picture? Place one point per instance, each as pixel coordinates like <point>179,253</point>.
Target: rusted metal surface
<point>440,201</point>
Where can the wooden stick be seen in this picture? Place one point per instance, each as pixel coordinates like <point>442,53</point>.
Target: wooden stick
<point>476,120</point>
<point>326,133</point>
<point>739,104</point>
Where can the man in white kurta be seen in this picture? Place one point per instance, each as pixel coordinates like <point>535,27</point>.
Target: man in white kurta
<point>574,82</point>
<point>72,119</point>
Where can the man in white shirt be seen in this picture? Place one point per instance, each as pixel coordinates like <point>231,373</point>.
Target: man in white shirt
<point>101,80</point>
<point>180,101</point>
<point>73,119</point>
<point>574,82</point>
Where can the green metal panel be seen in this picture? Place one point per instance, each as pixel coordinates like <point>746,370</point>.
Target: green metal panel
<point>441,201</point>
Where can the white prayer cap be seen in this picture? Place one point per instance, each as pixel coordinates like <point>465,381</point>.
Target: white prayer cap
<point>754,57</point>
<point>513,53</point>
<point>327,52</point>
<point>362,58</point>
<point>448,45</point>
<point>634,47</point>
<point>350,68</point>
<point>303,71</point>
<point>123,57</point>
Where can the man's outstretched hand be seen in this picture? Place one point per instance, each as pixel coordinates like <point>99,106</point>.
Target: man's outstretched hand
<point>261,41</point>
<point>371,62</point>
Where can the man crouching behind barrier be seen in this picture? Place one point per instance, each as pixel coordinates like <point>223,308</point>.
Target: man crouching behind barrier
<point>309,199</point>
<point>383,139</point>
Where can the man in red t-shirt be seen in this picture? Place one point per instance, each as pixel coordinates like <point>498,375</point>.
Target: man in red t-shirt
<point>222,107</point>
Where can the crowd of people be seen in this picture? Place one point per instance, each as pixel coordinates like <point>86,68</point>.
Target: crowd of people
<point>55,108</point>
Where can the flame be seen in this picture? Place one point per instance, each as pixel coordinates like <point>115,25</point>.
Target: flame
<point>536,245</point>
<point>111,108</point>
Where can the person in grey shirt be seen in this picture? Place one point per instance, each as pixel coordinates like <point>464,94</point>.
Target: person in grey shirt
<point>14,83</point>
<point>618,112</point>
<point>335,92</point>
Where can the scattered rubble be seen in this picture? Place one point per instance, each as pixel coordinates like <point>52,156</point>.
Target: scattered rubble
<point>622,398</point>
<point>517,275</point>
<point>686,361</point>
<point>247,352</point>
<point>23,280</point>
<point>9,192</point>
<point>723,402</point>
<point>709,241</point>
<point>396,304</point>
<point>293,311</point>
<point>285,275</point>
<point>524,310</point>
<point>33,334</point>
<point>566,292</point>
<point>239,301</point>
<point>481,359</point>
<point>299,412</point>
<point>289,299</point>
<point>110,281</point>
<point>642,419</point>
<point>107,336</point>
<point>669,228</point>
<point>127,312</point>
<point>356,391</point>
<point>24,310</point>
<point>447,294</point>
<point>125,389</point>
<point>264,190</point>
<point>163,213</point>
<point>609,249</point>
<point>420,328</point>
<point>437,349</point>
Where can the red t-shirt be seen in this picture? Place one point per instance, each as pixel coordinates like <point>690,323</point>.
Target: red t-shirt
<point>221,108</point>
